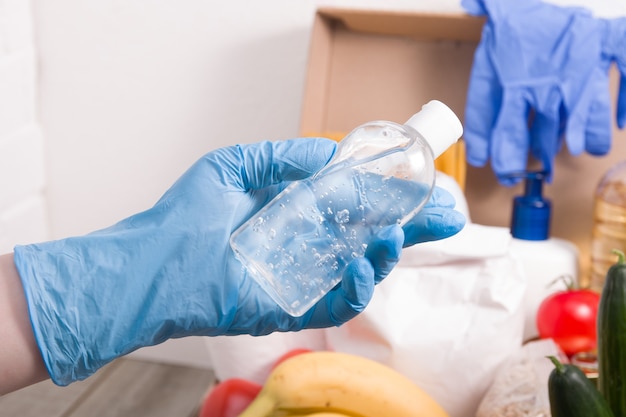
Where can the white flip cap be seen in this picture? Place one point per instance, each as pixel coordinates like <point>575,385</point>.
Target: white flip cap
<point>438,125</point>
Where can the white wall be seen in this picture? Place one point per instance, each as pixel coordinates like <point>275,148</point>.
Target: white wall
<point>131,92</point>
<point>22,205</point>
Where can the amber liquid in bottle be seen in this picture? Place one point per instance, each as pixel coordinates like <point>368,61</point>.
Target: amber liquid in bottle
<point>609,224</point>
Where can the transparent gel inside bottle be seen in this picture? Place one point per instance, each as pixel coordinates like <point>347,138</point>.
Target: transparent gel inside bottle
<point>298,245</point>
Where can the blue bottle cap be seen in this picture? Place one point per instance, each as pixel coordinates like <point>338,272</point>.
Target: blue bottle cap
<point>531,212</point>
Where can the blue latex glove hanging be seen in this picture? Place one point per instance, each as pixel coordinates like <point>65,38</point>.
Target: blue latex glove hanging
<point>540,74</point>
<point>170,272</point>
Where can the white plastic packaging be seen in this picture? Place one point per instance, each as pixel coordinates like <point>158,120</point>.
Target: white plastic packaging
<point>298,245</point>
<point>543,262</point>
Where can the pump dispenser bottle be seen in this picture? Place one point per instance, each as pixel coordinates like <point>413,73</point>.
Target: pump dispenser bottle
<point>298,245</point>
<point>544,258</point>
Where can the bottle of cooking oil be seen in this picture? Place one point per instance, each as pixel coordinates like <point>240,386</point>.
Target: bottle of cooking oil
<point>609,223</point>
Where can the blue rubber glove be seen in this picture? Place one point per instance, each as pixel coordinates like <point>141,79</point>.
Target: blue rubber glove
<point>170,272</point>
<point>539,73</point>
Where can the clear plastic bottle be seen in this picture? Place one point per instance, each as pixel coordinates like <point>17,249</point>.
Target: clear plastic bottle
<point>298,245</point>
<point>609,223</point>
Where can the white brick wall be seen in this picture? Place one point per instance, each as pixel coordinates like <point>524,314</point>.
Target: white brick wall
<point>23,216</point>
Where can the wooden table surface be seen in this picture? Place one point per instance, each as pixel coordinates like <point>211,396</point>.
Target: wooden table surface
<point>126,387</point>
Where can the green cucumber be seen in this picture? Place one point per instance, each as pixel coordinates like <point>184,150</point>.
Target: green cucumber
<point>572,394</point>
<point>612,337</point>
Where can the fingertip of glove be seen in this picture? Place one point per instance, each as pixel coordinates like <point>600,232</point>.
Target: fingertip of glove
<point>392,233</point>
<point>476,149</point>
<point>621,119</point>
<point>441,198</point>
<point>450,223</point>
<point>357,287</point>
<point>507,180</point>
<point>476,162</point>
<point>324,146</point>
<point>386,246</point>
<point>599,148</point>
<point>434,224</point>
<point>455,222</point>
<point>295,159</point>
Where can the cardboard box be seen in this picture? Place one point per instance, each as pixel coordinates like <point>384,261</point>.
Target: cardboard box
<point>370,65</point>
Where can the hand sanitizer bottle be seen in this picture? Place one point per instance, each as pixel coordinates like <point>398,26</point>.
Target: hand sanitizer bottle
<point>543,258</point>
<point>298,245</point>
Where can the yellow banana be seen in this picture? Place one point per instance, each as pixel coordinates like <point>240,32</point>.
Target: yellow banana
<point>320,414</point>
<point>340,383</point>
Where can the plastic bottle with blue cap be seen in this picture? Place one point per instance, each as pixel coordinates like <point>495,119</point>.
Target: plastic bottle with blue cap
<point>544,258</point>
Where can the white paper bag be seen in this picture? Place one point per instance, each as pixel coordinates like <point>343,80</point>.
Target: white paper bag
<point>447,316</point>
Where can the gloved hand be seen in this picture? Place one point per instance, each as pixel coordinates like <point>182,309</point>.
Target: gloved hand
<point>540,71</point>
<point>170,272</point>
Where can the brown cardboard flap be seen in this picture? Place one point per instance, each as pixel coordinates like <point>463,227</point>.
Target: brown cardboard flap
<point>424,26</point>
<point>355,76</point>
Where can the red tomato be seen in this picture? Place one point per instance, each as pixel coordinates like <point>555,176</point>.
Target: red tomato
<point>229,398</point>
<point>569,318</point>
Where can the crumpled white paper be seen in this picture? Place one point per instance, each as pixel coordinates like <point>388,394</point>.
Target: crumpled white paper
<point>447,316</point>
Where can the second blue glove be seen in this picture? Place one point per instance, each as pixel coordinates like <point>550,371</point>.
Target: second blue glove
<point>540,75</point>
